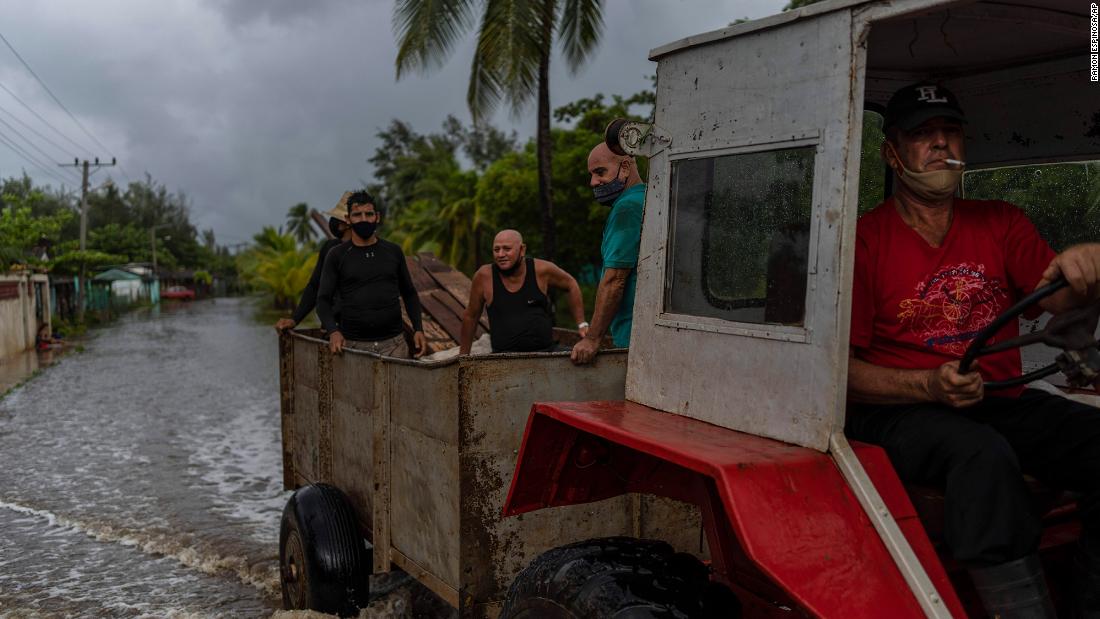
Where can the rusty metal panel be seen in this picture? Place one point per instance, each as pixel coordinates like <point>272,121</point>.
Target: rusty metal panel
<point>713,369</point>
<point>424,501</point>
<point>305,360</point>
<point>424,510</point>
<point>675,522</point>
<point>426,400</point>
<point>305,437</point>
<point>286,407</point>
<point>353,457</point>
<point>496,394</point>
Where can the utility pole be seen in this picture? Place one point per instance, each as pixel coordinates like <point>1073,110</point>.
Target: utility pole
<point>85,165</point>
<point>153,243</point>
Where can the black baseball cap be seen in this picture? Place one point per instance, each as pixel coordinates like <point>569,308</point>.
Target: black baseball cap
<point>912,105</point>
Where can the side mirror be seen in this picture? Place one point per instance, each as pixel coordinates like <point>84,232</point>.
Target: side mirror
<point>626,137</point>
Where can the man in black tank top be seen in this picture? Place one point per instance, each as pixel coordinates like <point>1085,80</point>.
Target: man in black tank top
<point>514,289</point>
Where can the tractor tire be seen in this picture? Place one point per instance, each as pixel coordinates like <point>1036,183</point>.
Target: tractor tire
<point>617,578</point>
<point>324,564</point>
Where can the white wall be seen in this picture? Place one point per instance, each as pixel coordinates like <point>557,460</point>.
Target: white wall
<point>18,323</point>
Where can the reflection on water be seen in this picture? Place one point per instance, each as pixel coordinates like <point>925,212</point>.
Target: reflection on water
<point>144,476</point>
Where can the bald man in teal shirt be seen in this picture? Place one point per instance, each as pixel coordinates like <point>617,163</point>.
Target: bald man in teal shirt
<point>615,182</point>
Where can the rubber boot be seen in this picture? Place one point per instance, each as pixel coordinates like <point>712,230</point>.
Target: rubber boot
<point>1014,590</point>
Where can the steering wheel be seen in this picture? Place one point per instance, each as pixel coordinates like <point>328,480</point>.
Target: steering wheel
<point>1072,331</point>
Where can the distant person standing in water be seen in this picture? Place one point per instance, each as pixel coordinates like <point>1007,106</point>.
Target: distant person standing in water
<point>341,232</point>
<point>371,277</point>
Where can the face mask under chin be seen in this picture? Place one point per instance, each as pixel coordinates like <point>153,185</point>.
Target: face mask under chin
<point>934,186</point>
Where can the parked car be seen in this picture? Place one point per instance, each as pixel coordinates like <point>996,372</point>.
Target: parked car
<point>182,293</point>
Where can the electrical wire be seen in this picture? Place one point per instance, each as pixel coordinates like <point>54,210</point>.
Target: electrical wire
<point>46,122</point>
<point>18,151</point>
<point>30,143</point>
<point>28,127</point>
<point>53,96</point>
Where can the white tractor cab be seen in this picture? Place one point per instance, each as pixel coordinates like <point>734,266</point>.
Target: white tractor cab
<point>763,151</point>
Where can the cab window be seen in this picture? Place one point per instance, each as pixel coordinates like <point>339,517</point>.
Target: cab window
<point>1061,199</point>
<point>740,241</point>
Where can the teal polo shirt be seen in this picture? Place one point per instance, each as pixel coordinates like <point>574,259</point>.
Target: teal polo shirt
<point>621,237</point>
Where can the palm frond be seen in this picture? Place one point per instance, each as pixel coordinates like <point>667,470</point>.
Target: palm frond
<point>427,30</point>
<point>580,29</point>
<point>506,60</point>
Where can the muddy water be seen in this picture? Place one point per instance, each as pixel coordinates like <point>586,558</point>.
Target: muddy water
<point>142,477</point>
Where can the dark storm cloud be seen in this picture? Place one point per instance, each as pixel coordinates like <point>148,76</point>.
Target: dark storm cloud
<point>249,106</point>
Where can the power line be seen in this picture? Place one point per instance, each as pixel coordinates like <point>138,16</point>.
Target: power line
<point>47,123</point>
<point>54,97</point>
<point>30,143</point>
<point>35,131</point>
<point>15,149</point>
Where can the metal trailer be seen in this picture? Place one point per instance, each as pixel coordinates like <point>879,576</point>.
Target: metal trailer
<point>736,384</point>
<point>422,454</point>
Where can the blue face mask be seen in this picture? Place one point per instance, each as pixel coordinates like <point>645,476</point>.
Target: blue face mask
<point>364,229</point>
<point>607,193</point>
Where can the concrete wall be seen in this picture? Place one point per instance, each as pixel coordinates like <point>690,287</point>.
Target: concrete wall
<point>21,313</point>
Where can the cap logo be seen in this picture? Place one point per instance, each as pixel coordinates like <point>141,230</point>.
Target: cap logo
<point>928,95</point>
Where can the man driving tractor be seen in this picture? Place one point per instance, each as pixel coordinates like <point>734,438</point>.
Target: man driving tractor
<point>931,271</point>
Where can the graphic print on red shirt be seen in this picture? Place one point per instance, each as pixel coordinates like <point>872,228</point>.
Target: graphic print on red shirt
<point>915,306</point>
<point>952,306</point>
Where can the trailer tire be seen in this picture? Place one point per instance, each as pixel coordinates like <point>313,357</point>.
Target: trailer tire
<point>617,577</point>
<point>324,564</point>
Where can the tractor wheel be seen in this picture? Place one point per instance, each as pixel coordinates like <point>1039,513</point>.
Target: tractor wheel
<point>323,563</point>
<point>617,578</point>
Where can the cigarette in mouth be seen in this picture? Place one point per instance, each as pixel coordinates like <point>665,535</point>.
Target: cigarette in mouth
<point>954,162</point>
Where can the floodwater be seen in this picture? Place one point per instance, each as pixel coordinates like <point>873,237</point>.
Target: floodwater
<point>142,477</point>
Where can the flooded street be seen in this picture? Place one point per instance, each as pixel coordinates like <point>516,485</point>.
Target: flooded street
<point>143,476</point>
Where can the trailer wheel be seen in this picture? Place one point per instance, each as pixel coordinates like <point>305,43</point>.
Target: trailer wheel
<point>323,563</point>
<point>617,577</point>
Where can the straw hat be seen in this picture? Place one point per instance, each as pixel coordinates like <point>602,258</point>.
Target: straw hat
<point>340,211</point>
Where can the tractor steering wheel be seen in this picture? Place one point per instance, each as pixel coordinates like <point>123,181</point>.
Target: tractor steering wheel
<point>1071,331</point>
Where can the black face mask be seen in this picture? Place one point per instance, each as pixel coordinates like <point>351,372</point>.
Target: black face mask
<point>364,229</point>
<point>607,193</point>
<point>336,227</point>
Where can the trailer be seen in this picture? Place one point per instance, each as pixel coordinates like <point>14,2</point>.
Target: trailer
<point>414,458</point>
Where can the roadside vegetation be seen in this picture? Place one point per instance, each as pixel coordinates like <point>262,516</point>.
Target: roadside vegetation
<point>119,225</point>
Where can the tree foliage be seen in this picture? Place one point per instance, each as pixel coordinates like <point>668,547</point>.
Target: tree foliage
<point>515,40</point>
<point>119,224</point>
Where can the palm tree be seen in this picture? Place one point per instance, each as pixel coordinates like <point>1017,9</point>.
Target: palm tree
<point>511,61</point>
<point>298,223</point>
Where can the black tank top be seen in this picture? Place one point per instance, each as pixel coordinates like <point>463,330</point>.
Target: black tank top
<point>520,321</point>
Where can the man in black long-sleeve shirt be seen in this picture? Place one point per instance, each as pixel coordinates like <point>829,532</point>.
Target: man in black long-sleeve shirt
<point>338,225</point>
<point>370,275</point>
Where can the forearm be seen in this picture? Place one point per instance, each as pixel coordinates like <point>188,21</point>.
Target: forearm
<point>305,304</point>
<point>325,312</point>
<point>873,384</point>
<point>469,327</point>
<point>576,303</point>
<point>608,298</point>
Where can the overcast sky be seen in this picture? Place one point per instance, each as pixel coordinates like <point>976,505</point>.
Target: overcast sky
<point>249,106</point>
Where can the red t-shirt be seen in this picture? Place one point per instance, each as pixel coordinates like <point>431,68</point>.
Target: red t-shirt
<point>915,306</point>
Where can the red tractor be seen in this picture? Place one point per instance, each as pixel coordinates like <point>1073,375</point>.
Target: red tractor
<point>762,153</point>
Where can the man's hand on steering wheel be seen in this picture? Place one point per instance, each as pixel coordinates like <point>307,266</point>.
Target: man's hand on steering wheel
<point>1080,267</point>
<point>947,386</point>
